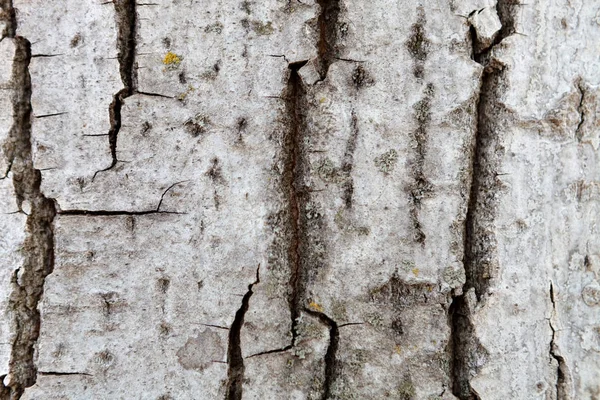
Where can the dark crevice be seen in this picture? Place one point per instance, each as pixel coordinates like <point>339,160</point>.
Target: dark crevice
<point>164,96</point>
<point>126,19</point>
<point>479,253</point>
<point>54,373</point>
<point>235,359</point>
<point>274,351</point>
<point>118,212</point>
<point>126,25</point>
<point>563,375</point>
<point>294,193</point>
<point>581,111</point>
<point>330,355</point>
<point>38,246</point>
<point>421,187</point>
<point>110,213</point>
<point>49,115</point>
<point>348,163</point>
<point>300,258</point>
<point>328,34</point>
<point>46,55</point>
<point>9,17</point>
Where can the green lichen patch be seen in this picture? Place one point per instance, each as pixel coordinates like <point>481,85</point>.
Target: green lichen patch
<point>328,171</point>
<point>387,161</point>
<point>263,28</point>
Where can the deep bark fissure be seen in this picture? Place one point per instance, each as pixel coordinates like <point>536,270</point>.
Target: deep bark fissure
<point>235,359</point>
<point>479,240</point>
<point>330,355</point>
<point>328,34</point>
<point>292,185</point>
<point>9,17</point>
<point>38,247</point>
<point>562,372</point>
<point>297,201</point>
<point>126,18</point>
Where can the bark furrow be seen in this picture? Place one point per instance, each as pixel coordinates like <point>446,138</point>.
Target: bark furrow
<point>38,247</point>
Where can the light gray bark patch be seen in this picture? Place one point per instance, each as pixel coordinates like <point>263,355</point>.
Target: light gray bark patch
<point>201,351</point>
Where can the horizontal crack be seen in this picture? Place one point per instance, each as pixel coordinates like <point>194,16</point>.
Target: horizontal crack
<point>55,373</point>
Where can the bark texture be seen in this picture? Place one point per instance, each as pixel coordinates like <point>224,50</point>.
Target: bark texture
<point>282,199</point>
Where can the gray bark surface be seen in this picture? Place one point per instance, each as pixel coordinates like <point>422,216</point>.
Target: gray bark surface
<point>283,199</point>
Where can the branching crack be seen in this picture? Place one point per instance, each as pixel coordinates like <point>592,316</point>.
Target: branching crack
<point>235,360</point>
<point>126,17</point>
<point>330,355</point>
<point>157,210</point>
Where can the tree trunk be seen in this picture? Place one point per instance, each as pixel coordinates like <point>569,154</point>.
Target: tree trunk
<point>317,199</point>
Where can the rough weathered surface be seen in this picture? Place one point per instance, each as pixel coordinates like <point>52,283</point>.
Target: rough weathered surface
<point>299,200</point>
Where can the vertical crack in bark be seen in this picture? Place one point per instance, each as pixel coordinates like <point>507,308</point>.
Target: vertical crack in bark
<point>235,360</point>
<point>479,258</point>
<point>330,355</point>
<point>38,247</point>
<point>348,163</point>
<point>328,34</point>
<point>9,17</point>
<point>297,201</point>
<point>126,18</point>
<point>421,188</point>
<point>581,111</point>
<point>292,181</point>
<point>563,380</point>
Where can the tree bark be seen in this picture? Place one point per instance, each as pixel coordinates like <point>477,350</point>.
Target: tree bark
<point>318,199</point>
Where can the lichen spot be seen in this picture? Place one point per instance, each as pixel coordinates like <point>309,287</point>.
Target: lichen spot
<point>314,306</point>
<point>171,59</point>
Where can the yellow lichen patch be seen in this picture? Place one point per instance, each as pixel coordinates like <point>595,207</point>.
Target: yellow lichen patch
<point>415,271</point>
<point>183,95</point>
<point>171,59</point>
<point>398,349</point>
<point>315,306</point>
